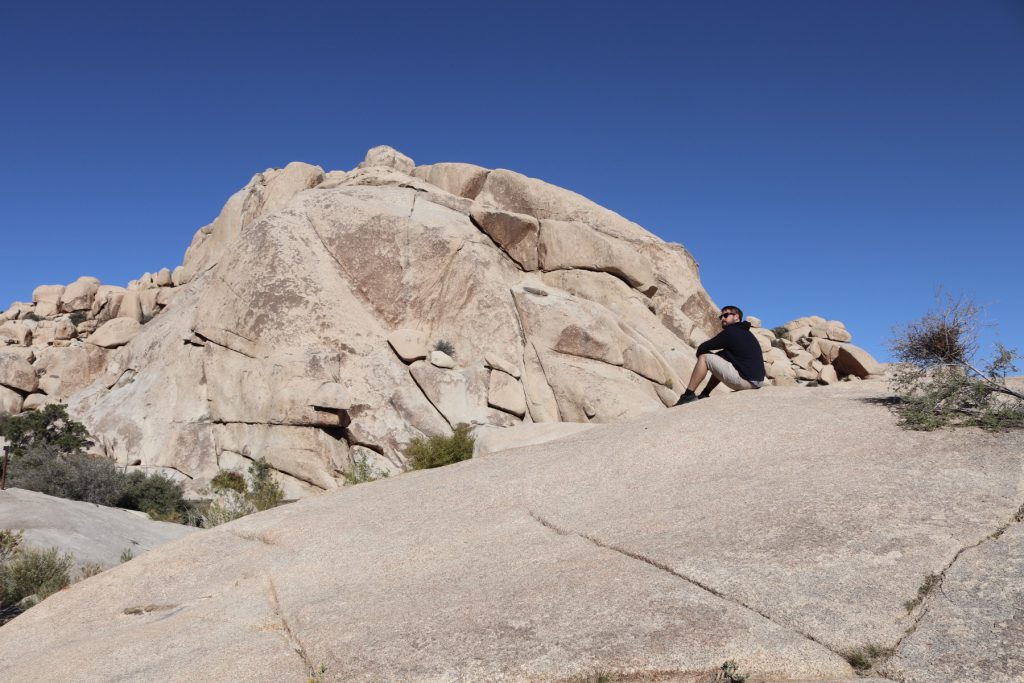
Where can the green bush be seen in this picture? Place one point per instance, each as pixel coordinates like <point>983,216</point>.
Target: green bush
<point>363,471</point>
<point>264,493</point>
<point>438,451</point>
<point>228,480</point>
<point>29,572</point>
<point>77,318</point>
<point>729,673</point>
<point>73,475</point>
<point>779,331</point>
<point>157,495</point>
<point>234,496</point>
<point>48,456</point>
<point>77,476</point>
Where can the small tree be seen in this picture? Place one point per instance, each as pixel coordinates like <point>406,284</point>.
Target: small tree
<point>940,380</point>
<point>50,426</point>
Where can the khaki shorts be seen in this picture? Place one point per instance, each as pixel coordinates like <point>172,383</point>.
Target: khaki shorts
<point>727,374</point>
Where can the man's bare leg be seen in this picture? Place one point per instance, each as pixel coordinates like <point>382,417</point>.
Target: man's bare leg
<point>700,371</point>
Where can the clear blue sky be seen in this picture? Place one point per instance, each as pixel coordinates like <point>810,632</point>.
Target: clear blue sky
<point>841,158</point>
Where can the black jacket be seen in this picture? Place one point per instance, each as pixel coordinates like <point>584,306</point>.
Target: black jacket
<point>738,346</point>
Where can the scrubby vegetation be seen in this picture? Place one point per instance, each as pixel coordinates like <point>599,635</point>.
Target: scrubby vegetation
<point>438,451</point>
<point>234,495</point>
<point>445,346</point>
<point>863,658</point>
<point>48,455</point>
<point>28,575</point>
<point>729,673</point>
<point>363,471</point>
<point>940,380</point>
<point>926,587</point>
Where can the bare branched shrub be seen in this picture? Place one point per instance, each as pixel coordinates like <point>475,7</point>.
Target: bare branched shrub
<point>940,380</point>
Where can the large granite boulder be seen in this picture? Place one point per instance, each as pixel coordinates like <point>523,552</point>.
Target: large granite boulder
<point>347,280</point>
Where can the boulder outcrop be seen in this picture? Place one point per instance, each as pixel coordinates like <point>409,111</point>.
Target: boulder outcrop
<point>811,350</point>
<point>320,312</point>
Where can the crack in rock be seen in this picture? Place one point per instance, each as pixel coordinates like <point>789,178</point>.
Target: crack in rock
<point>665,568</point>
<point>295,643</point>
<point>247,536</point>
<point>1016,518</point>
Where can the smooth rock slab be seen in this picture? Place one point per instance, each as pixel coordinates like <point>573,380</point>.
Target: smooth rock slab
<point>92,533</point>
<point>653,548</point>
<point>973,630</point>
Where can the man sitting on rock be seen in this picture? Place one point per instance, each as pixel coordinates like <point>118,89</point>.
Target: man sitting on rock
<point>737,361</point>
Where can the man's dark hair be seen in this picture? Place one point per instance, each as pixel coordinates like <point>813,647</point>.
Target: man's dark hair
<point>733,308</point>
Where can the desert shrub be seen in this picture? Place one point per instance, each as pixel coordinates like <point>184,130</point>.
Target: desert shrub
<point>31,316</point>
<point>90,569</point>
<point>863,658</point>
<point>437,451</point>
<point>228,480</point>
<point>9,543</point>
<point>940,381</point>
<point>729,673</point>
<point>77,318</point>
<point>50,426</point>
<point>264,493</point>
<point>157,495</point>
<point>73,475</point>
<point>445,346</point>
<point>779,331</point>
<point>26,571</point>
<point>48,456</point>
<point>78,476</point>
<point>230,501</point>
<point>363,471</point>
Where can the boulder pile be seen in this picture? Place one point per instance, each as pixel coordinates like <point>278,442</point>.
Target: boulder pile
<point>813,351</point>
<point>59,342</point>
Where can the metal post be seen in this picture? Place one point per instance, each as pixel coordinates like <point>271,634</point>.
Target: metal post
<point>7,458</point>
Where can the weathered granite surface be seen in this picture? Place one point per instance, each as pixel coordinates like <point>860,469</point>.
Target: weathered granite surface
<point>653,549</point>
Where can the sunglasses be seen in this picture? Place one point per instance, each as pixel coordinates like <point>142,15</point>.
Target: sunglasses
<point>726,315</point>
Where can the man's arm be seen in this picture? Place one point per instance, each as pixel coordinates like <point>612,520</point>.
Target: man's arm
<point>716,342</point>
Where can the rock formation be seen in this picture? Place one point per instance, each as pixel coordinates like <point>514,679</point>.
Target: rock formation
<point>307,320</point>
<point>812,350</point>
<point>780,530</point>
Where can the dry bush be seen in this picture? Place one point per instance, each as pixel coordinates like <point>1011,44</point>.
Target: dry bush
<point>939,379</point>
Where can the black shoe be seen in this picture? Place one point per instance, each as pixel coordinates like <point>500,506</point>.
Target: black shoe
<point>686,398</point>
<point>703,396</point>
